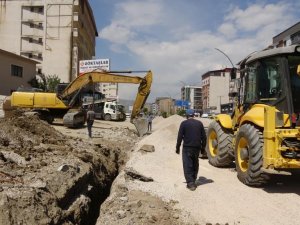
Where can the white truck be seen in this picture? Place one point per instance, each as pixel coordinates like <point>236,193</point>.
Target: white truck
<point>108,110</point>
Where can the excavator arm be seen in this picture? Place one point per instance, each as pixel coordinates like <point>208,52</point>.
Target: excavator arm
<point>108,77</point>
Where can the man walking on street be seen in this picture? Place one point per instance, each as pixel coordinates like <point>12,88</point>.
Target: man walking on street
<point>192,133</point>
<point>150,118</point>
<point>90,116</point>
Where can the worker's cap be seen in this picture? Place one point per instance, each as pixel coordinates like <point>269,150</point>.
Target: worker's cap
<point>190,112</point>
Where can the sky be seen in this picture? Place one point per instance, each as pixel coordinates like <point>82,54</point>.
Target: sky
<point>177,39</point>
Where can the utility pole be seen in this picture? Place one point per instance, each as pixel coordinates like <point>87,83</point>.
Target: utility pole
<point>220,96</point>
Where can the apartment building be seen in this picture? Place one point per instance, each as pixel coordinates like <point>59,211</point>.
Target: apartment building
<point>215,90</point>
<point>165,105</point>
<point>16,72</point>
<point>288,37</point>
<point>192,94</point>
<point>56,33</point>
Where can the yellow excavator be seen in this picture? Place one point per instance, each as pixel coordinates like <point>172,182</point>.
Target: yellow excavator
<point>64,104</point>
<point>262,136</point>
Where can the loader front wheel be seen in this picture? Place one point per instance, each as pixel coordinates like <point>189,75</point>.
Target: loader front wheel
<point>249,156</point>
<point>219,145</point>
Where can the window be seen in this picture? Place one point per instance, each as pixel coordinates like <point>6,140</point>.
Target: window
<point>41,9</point>
<point>295,81</point>
<point>31,9</point>
<point>39,71</point>
<point>40,56</point>
<point>31,25</point>
<point>40,25</point>
<point>16,71</point>
<point>30,40</point>
<point>251,84</point>
<point>41,40</point>
<point>30,55</point>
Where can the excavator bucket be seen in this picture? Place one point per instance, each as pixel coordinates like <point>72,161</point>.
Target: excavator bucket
<point>141,125</point>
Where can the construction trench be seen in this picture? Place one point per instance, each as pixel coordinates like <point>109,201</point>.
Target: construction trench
<point>48,178</point>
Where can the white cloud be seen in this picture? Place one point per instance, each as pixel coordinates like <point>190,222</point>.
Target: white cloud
<point>135,13</point>
<point>227,29</point>
<point>190,54</point>
<point>117,34</point>
<point>258,16</point>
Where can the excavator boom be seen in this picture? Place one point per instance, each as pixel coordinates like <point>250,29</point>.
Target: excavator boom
<point>51,102</point>
<point>107,77</point>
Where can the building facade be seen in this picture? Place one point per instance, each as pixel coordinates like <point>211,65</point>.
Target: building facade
<point>16,72</point>
<point>215,90</point>
<point>288,37</point>
<point>165,105</point>
<point>192,94</point>
<point>56,33</point>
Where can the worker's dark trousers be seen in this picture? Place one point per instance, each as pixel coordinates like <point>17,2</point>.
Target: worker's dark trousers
<point>149,126</point>
<point>89,127</point>
<point>190,159</point>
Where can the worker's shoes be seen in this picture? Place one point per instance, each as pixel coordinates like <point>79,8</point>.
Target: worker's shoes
<point>191,186</point>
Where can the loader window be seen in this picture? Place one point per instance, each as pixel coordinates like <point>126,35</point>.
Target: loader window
<point>269,81</point>
<point>263,81</point>
<point>295,81</point>
<point>250,84</point>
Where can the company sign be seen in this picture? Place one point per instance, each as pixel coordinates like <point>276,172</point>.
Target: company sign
<point>90,65</point>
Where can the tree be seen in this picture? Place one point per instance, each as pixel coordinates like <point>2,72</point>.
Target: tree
<point>164,114</point>
<point>181,112</point>
<point>51,82</point>
<point>145,110</point>
<point>46,83</point>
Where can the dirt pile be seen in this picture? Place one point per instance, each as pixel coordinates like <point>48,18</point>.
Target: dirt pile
<point>49,178</point>
<point>136,197</point>
<point>137,207</point>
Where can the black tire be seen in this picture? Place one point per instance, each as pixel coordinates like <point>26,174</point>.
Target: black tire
<point>123,117</point>
<point>219,147</point>
<point>249,156</point>
<point>107,117</point>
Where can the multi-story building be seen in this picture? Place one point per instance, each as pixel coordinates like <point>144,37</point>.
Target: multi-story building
<point>110,90</point>
<point>215,90</point>
<point>165,105</point>
<point>288,37</point>
<point>16,72</point>
<point>154,108</point>
<point>56,33</point>
<point>192,94</point>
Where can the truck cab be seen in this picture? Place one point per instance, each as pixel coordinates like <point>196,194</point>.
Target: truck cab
<point>108,110</point>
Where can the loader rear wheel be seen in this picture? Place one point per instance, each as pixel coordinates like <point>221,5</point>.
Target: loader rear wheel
<point>249,156</point>
<point>219,145</point>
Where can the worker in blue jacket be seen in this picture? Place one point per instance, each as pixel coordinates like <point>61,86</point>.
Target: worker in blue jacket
<point>192,133</point>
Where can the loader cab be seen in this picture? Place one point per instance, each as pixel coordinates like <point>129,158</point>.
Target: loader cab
<point>273,80</point>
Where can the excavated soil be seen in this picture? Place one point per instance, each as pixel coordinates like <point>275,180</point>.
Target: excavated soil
<point>55,175</point>
<point>47,177</point>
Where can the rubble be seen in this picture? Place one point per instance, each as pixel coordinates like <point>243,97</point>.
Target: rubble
<point>47,177</point>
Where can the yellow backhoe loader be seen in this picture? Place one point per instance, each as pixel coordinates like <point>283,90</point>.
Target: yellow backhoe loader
<point>262,136</point>
<point>65,104</point>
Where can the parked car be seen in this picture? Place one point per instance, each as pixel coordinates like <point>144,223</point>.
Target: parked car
<point>204,115</point>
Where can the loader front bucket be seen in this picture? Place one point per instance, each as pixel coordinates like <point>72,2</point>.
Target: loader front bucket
<point>141,125</point>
